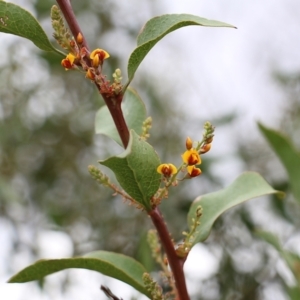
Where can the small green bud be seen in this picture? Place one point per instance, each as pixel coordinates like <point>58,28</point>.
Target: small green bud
<point>153,288</point>
<point>117,75</point>
<point>55,13</point>
<point>98,175</point>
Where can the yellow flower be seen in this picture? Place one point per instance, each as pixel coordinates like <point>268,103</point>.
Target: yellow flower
<point>71,57</point>
<point>193,171</point>
<point>191,157</point>
<point>97,56</point>
<point>68,62</point>
<point>167,169</point>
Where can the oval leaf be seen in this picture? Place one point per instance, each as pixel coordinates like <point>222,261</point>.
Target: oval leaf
<point>134,112</point>
<point>18,21</point>
<point>288,155</point>
<point>247,186</point>
<point>111,264</point>
<point>135,170</point>
<point>156,28</point>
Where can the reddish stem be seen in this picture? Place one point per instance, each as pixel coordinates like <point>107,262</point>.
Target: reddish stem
<point>113,102</point>
<point>175,262</point>
<point>114,106</point>
<point>67,10</point>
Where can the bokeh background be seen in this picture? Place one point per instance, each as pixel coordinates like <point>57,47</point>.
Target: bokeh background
<point>49,205</point>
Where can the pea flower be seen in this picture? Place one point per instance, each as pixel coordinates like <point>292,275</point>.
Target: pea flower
<point>191,157</point>
<point>167,169</point>
<point>68,62</point>
<point>97,56</point>
<point>193,171</point>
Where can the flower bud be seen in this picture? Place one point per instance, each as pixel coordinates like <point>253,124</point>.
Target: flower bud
<point>188,143</point>
<point>205,148</point>
<point>79,38</point>
<point>90,75</point>
<point>209,139</point>
<point>72,43</point>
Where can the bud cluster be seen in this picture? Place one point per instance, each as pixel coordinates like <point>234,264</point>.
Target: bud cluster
<point>117,84</point>
<point>147,124</point>
<point>98,175</point>
<point>155,245</point>
<point>153,288</point>
<point>184,248</point>
<point>208,136</point>
<point>61,32</point>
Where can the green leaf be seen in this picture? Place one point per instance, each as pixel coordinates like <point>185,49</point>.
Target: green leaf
<point>111,264</point>
<point>134,112</point>
<point>293,292</point>
<point>156,28</point>
<point>247,186</point>
<point>288,155</point>
<point>18,21</point>
<point>135,170</point>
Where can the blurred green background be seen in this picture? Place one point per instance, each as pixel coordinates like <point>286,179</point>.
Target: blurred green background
<point>47,141</point>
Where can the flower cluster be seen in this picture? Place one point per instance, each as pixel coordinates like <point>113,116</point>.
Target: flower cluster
<point>191,157</point>
<point>79,57</point>
<point>96,58</point>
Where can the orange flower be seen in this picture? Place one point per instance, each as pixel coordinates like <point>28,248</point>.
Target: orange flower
<point>193,171</point>
<point>68,62</point>
<point>167,169</point>
<point>97,56</point>
<point>191,157</point>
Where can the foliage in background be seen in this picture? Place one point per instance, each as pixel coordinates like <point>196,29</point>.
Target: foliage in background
<point>56,185</point>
